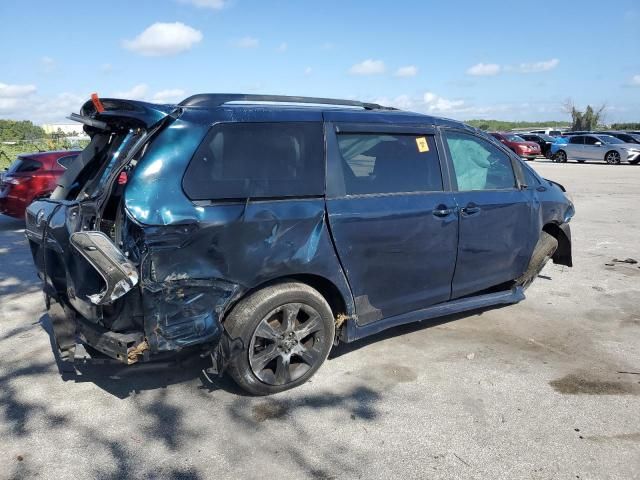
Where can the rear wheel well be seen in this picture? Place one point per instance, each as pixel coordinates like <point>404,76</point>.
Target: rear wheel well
<point>562,255</point>
<point>325,287</point>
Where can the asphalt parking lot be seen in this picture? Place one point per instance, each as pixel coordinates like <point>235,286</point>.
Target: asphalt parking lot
<point>546,389</point>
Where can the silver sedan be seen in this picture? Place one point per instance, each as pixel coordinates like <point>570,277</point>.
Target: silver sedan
<point>599,148</point>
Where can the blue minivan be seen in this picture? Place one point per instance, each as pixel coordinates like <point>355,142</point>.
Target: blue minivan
<point>260,231</point>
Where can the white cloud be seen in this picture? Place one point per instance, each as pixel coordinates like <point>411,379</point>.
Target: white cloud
<point>246,42</point>
<point>308,71</point>
<point>536,67</point>
<point>368,67</point>
<point>408,71</point>
<point>484,69</point>
<point>106,68</point>
<point>437,104</point>
<point>16,91</point>
<point>403,102</point>
<point>41,109</point>
<point>170,95</point>
<point>212,4</point>
<point>164,39</point>
<point>138,92</point>
<point>283,47</point>
<point>635,81</point>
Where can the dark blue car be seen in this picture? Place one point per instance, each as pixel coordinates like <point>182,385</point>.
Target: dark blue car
<point>262,230</point>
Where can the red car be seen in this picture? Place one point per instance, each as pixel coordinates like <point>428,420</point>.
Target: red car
<point>528,150</point>
<point>31,176</point>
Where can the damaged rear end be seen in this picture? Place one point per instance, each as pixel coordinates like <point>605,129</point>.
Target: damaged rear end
<point>95,259</point>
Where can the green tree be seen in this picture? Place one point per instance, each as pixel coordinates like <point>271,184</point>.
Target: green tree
<point>587,120</point>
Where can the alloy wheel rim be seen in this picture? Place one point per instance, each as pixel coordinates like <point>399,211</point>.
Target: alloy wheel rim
<point>613,157</point>
<point>287,343</point>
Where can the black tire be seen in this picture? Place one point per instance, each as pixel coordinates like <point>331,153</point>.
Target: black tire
<point>542,253</point>
<point>612,157</point>
<point>296,356</point>
<point>635,162</point>
<point>560,157</point>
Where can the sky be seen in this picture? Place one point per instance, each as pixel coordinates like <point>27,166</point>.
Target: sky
<point>458,59</point>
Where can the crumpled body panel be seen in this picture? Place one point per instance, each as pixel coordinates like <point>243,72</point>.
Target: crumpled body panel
<point>193,272</point>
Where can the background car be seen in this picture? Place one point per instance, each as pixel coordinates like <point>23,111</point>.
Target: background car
<point>548,131</point>
<point>544,141</point>
<point>598,147</point>
<point>624,136</point>
<point>32,176</point>
<point>528,150</point>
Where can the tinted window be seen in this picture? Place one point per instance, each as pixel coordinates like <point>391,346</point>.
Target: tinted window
<point>479,165</point>
<point>609,139</point>
<point>240,160</point>
<point>65,162</point>
<point>382,163</point>
<point>24,165</point>
<point>576,140</point>
<point>591,140</point>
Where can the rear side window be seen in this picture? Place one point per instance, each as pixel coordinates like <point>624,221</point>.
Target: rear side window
<point>384,163</point>
<point>65,162</point>
<point>241,160</point>
<point>24,165</point>
<point>478,164</point>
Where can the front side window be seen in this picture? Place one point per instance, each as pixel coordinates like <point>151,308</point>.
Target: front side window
<point>479,165</point>
<point>530,179</point>
<point>591,140</point>
<point>254,160</point>
<point>376,163</point>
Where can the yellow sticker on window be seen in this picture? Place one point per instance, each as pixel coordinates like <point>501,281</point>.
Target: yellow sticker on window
<point>423,146</point>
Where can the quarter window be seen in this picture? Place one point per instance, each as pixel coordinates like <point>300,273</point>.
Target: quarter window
<point>268,160</point>
<point>478,165</point>
<point>386,163</point>
<point>65,162</point>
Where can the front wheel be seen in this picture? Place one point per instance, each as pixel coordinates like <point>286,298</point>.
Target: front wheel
<point>287,331</point>
<point>612,157</point>
<point>542,253</point>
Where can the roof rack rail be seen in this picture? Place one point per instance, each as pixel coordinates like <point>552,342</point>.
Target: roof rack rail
<point>212,100</point>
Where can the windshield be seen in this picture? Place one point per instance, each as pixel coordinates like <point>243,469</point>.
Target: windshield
<point>609,139</point>
<point>547,138</point>
<point>514,138</point>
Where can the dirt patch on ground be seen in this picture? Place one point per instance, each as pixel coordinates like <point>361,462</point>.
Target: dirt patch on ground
<point>269,411</point>
<point>582,384</point>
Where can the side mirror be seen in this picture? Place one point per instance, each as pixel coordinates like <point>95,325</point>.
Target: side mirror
<point>598,144</point>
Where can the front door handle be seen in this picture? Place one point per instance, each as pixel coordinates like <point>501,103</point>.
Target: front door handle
<point>442,211</point>
<point>470,209</point>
